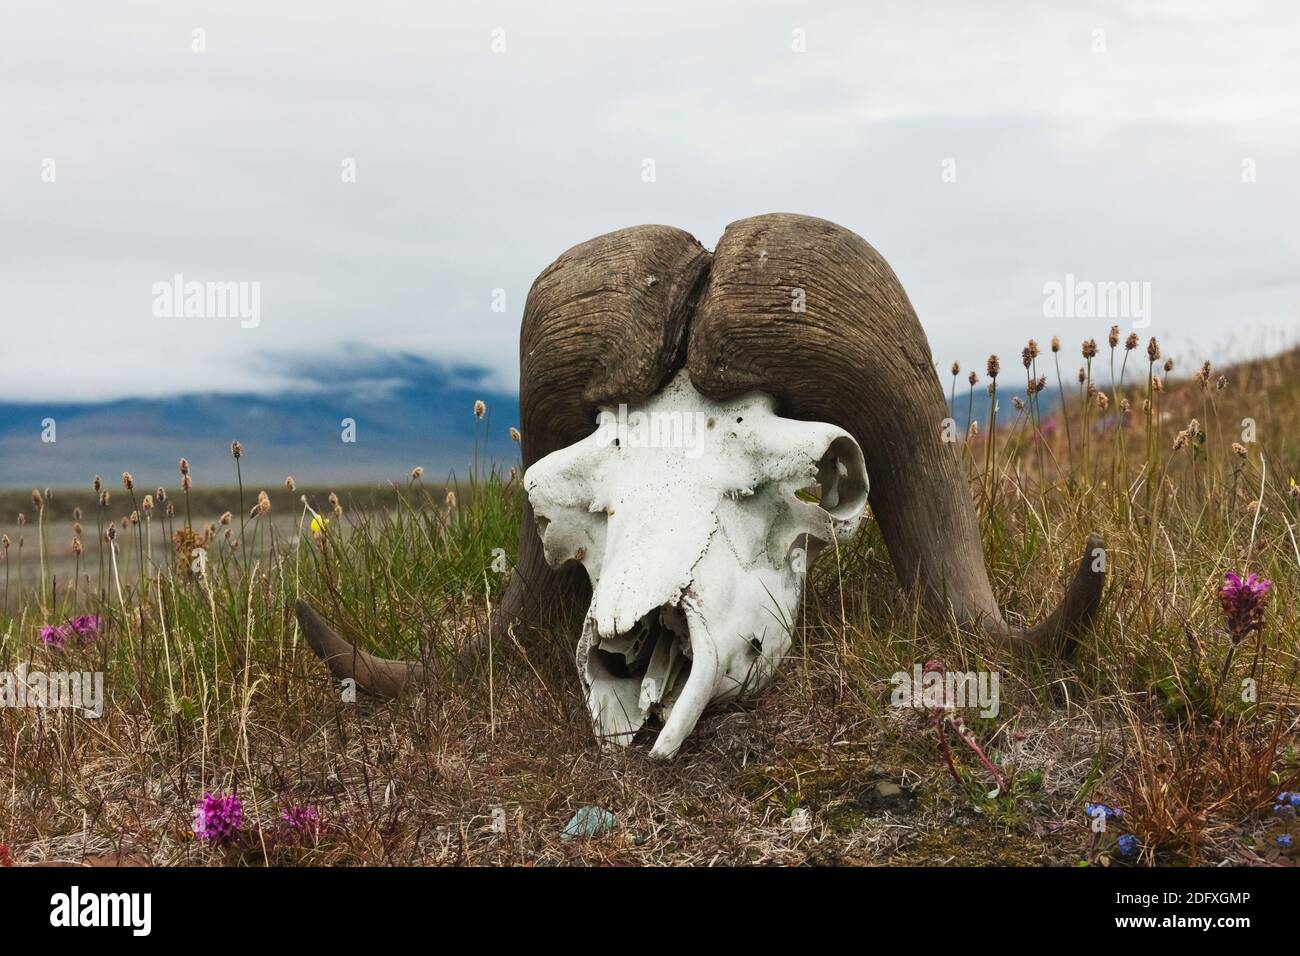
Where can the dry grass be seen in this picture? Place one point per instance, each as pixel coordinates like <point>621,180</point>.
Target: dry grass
<point>210,688</point>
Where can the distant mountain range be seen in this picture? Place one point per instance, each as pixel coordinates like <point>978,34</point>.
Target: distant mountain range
<point>407,411</point>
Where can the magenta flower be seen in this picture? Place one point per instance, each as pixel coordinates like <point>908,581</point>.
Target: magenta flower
<point>52,636</point>
<point>1243,604</point>
<point>302,820</point>
<point>218,818</point>
<point>86,627</point>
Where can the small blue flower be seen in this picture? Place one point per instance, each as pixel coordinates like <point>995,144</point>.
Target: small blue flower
<point>1100,809</point>
<point>1127,844</point>
<point>1284,841</point>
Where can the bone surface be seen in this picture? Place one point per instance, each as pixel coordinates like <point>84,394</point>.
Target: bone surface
<point>696,522</point>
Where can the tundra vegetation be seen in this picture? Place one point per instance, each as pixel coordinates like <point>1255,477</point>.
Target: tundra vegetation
<point>223,739</point>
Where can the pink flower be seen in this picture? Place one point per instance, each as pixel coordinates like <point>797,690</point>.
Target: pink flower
<point>52,636</point>
<point>218,818</point>
<point>301,821</point>
<point>1243,604</point>
<point>84,629</point>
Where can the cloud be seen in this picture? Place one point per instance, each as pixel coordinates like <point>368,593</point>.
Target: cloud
<point>474,169</point>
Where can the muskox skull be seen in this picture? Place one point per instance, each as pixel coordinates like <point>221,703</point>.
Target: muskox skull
<point>800,322</point>
<point>685,514</point>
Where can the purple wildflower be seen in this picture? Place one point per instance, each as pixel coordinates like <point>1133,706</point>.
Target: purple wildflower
<point>52,636</point>
<point>302,819</point>
<point>218,818</point>
<point>86,627</point>
<point>1243,604</point>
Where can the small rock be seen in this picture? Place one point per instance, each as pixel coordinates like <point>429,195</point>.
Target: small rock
<point>588,822</point>
<point>886,796</point>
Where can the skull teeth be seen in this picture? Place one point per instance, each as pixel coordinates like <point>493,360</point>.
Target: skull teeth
<point>669,660</point>
<point>649,664</point>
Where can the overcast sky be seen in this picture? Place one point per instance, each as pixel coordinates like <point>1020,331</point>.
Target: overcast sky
<point>1112,141</point>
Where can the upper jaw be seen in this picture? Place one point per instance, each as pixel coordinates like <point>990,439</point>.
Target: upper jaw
<point>643,673</point>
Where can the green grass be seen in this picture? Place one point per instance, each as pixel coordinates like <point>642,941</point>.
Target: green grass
<point>212,689</point>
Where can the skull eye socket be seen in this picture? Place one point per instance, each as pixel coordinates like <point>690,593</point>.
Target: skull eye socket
<point>842,480</point>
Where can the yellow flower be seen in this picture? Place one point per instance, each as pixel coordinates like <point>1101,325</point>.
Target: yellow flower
<point>319,524</point>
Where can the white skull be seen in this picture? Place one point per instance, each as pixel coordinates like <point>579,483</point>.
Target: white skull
<point>685,514</point>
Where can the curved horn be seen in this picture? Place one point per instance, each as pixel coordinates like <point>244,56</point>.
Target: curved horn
<point>856,356</point>
<point>375,675</point>
<point>605,323</point>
